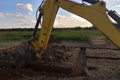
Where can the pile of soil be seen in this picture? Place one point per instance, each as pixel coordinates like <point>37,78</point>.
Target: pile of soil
<point>102,64</point>
<point>56,53</point>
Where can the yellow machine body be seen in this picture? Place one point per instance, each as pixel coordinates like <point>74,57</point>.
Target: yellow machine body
<point>96,14</point>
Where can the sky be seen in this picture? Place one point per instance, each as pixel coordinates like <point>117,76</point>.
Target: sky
<point>21,14</point>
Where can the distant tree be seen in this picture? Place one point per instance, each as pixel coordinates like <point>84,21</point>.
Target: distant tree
<point>77,28</point>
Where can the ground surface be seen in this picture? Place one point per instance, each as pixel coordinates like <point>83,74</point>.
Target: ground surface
<point>102,64</point>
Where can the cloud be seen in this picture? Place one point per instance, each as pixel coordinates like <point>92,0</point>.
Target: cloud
<point>70,21</point>
<point>27,21</point>
<point>117,6</point>
<point>1,15</point>
<point>19,23</point>
<point>114,0</point>
<point>27,6</point>
<point>111,0</point>
<point>17,15</point>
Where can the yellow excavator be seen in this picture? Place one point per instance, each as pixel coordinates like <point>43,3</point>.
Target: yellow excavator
<point>96,13</point>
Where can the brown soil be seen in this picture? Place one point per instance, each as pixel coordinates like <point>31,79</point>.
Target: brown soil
<point>102,64</point>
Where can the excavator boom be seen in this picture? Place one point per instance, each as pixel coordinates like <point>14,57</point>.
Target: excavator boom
<point>113,14</point>
<point>96,14</point>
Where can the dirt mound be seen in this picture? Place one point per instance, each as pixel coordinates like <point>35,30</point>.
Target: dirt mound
<point>56,53</point>
<point>9,53</point>
<point>59,52</point>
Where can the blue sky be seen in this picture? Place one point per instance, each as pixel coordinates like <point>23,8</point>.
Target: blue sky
<point>21,14</point>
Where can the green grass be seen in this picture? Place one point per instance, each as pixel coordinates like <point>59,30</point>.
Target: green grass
<point>74,35</point>
<point>81,35</point>
<point>14,35</point>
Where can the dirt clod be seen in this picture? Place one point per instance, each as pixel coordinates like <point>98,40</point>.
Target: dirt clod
<point>56,53</point>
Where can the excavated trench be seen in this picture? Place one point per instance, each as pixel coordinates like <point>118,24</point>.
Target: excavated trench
<point>56,60</point>
<point>60,59</point>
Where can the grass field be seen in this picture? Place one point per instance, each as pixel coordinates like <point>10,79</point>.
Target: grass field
<point>68,34</point>
<point>76,35</point>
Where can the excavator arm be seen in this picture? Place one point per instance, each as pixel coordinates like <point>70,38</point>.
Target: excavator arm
<point>49,11</point>
<point>96,14</point>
